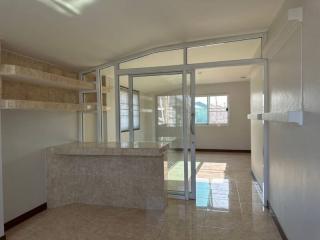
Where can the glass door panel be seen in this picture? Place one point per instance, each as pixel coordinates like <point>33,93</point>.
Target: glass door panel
<point>157,109</point>
<point>190,133</point>
<point>160,108</point>
<point>89,119</point>
<point>108,102</point>
<point>124,109</point>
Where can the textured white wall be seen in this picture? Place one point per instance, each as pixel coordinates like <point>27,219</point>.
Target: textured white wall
<point>25,134</point>
<point>294,150</point>
<point>257,128</point>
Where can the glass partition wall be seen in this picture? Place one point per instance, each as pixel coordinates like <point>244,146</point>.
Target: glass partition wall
<point>95,127</point>
<point>89,119</point>
<point>152,109</point>
<point>151,98</point>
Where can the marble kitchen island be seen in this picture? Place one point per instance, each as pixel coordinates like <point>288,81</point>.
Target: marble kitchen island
<point>128,175</point>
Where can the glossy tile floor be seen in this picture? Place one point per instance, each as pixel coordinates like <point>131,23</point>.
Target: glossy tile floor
<point>227,208</point>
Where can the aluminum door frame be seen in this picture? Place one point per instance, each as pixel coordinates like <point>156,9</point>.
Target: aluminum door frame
<point>188,193</point>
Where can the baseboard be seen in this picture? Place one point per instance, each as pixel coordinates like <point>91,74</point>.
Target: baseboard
<point>255,180</point>
<point>215,150</point>
<point>258,188</point>
<point>222,150</point>
<point>24,217</point>
<point>277,223</point>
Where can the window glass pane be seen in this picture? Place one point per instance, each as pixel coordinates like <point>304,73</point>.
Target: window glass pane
<point>218,109</point>
<point>201,108</point>
<point>124,110</point>
<point>245,49</point>
<point>136,120</point>
<point>90,118</point>
<point>168,107</point>
<point>135,100</point>
<point>166,58</point>
<point>136,111</point>
<point>109,113</point>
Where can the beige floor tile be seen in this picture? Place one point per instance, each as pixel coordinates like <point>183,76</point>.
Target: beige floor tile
<point>227,207</point>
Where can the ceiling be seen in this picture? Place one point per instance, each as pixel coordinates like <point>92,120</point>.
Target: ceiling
<point>86,33</point>
<point>164,84</point>
<point>223,74</point>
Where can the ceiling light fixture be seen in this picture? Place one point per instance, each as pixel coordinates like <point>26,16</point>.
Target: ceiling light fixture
<point>67,7</point>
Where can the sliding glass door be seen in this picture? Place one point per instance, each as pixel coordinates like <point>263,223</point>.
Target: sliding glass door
<point>158,108</point>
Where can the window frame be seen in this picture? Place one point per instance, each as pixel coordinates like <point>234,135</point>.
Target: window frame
<point>125,89</point>
<point>208,112</point>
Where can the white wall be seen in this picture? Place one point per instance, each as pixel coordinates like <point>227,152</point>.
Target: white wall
<point>294,150</point>
<point>257,128</point>
<point>90,126</point>
<point>235,136</point>
<point>25,134</point>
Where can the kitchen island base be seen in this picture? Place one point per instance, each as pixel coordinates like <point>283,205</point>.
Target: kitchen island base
<point>107,174</point>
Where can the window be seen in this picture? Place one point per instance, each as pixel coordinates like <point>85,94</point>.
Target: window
<point>212,110</point>
<point>201,108</point>
<point>124,110</point>
<point>165,58</point>
<point>170,111</point>
<point>136,110</point>
<point>243,49</point>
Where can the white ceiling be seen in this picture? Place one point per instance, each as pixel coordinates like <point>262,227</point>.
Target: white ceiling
<point>223,74</point>
<point>163,84</point>
<point>85,33</point>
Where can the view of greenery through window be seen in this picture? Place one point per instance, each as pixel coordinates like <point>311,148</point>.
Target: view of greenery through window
<point>201,108</point>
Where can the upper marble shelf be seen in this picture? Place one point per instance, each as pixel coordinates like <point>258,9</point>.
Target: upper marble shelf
<point>33,76</point>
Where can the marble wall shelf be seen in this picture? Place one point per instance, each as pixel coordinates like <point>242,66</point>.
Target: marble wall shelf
<point>117,175</point>
<point>33,76</point>
<point>47,106</point>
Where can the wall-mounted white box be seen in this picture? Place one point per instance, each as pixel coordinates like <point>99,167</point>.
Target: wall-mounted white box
<point>255,116</point>
<point>288,117</point>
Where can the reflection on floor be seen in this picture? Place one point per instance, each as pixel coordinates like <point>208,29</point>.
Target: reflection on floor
<point>227,208</point>
<point>175,167</point>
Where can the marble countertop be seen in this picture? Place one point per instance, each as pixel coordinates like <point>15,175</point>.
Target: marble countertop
<point>112,149</point>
